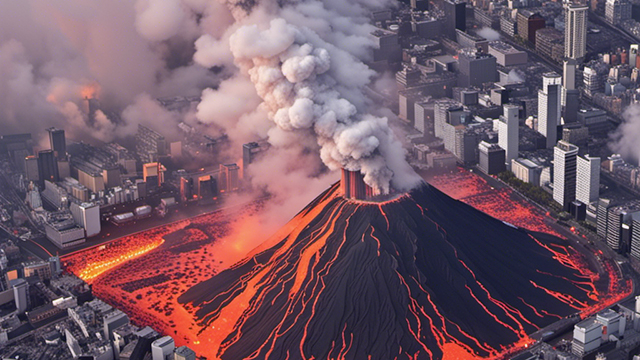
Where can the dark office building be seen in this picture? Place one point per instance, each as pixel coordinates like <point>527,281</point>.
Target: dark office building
<point>572,106</point>
<point>48,166</point>
<point>58,142</point>
<point>491,158</point>
<point>420,5</point>
<point>455,17</point>
<point>476,68</point>
<point>528,23</point>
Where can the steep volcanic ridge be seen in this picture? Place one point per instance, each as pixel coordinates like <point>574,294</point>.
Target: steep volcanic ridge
<point>420,277</point>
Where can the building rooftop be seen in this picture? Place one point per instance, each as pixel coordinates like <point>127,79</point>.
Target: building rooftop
<point>588,324</point>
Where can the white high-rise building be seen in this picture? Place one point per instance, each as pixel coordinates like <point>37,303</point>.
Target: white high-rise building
<point>564,173</point>
<point>633,55</point>
<point>87,215</point>
<point>575,31</point>
<point>508,132</point>
<point>588,179</point>
<point>549,107</point>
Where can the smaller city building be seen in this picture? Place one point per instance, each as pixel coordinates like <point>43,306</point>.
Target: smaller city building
<point>491,158</point>
<point>526,170</point>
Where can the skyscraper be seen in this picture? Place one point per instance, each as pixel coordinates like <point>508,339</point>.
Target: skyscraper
<point>575,31</point>
<point>162,348</point>
<point>47,166</point>
<point>455,17</point>
<point>564,173</point>
<point>617,11</point>
<point>588,179</point>
<point>633,55</point>
<point>58,142</point>
<point>549,107</point>
<point>568,77</point>
<point>508,132</point>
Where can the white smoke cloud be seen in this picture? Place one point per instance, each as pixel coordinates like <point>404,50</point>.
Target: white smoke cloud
<point>290,68</point>
<point>625,139</point>
<point>515,76</point>
<point>159,20</point>
<point>489,34</point>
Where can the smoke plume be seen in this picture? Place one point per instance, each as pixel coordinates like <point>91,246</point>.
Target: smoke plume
<point>625,139</point>
<point>489,34</point>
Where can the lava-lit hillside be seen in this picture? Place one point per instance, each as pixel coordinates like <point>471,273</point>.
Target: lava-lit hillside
<point>420,277</point>
<point>500,203</point>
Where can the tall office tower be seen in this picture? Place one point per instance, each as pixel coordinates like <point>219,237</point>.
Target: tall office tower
<point>575,31</point>
<point>617,11</point>
<point>508,132</point>
<point>633,55</point>
<point>588,179</point>
<point>564,173</point>
<point>47,166</point>
<point>568,77</point>
<point>31,168</point>
<point>455,17</point>
<point>572,106</point>
<point>58,142</point>
<point>20,294</point>
<point>162,348</point>
<point>476,68</point>
<point>549,107</point>
<point>602,217</point>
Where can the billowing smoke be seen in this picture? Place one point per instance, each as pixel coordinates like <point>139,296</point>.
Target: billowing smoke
<point>489,34</point>
<point>291,74</point>
<point>515,76</point>
<point>625,139</point>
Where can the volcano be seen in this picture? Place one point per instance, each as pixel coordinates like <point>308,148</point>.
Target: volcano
<point>421,276</point>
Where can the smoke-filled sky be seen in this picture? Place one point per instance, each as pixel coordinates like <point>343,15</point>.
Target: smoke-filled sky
<point>293,73</point>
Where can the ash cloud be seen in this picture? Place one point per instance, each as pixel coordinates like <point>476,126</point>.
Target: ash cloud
<point>489,34</point>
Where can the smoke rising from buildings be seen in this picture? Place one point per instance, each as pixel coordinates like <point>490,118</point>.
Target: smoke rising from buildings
<point>625,139</point>
<point>489,34</point>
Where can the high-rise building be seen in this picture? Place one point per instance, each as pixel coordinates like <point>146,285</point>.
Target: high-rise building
<point>617,11</point>
<point>588,179</point>
<point>20,294</point>
<point>571,106</point>
<point>564,173</point>
<point>445,111</point>
<point>476,68</point>
<point>635,235</point>
<point>48,166</point>
<point>149,144</point>
<point>633,55</point>
<point>508,132</point>
<point>162,349</point>
<point>575,31</point>
<point>568,77</point>
<point>614,228</point>
<point>184,353</point>
<point>549,107</point>
<point>602,217</point>
<point>491,158</point>
<point>87,215</point>
<point>155,170</point>
<point>455,17</point>
<point>58,142</point>
<point>387,49</point>
<point>31,168</point>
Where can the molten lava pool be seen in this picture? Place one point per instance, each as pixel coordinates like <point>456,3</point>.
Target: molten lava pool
<point>312,289</point>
